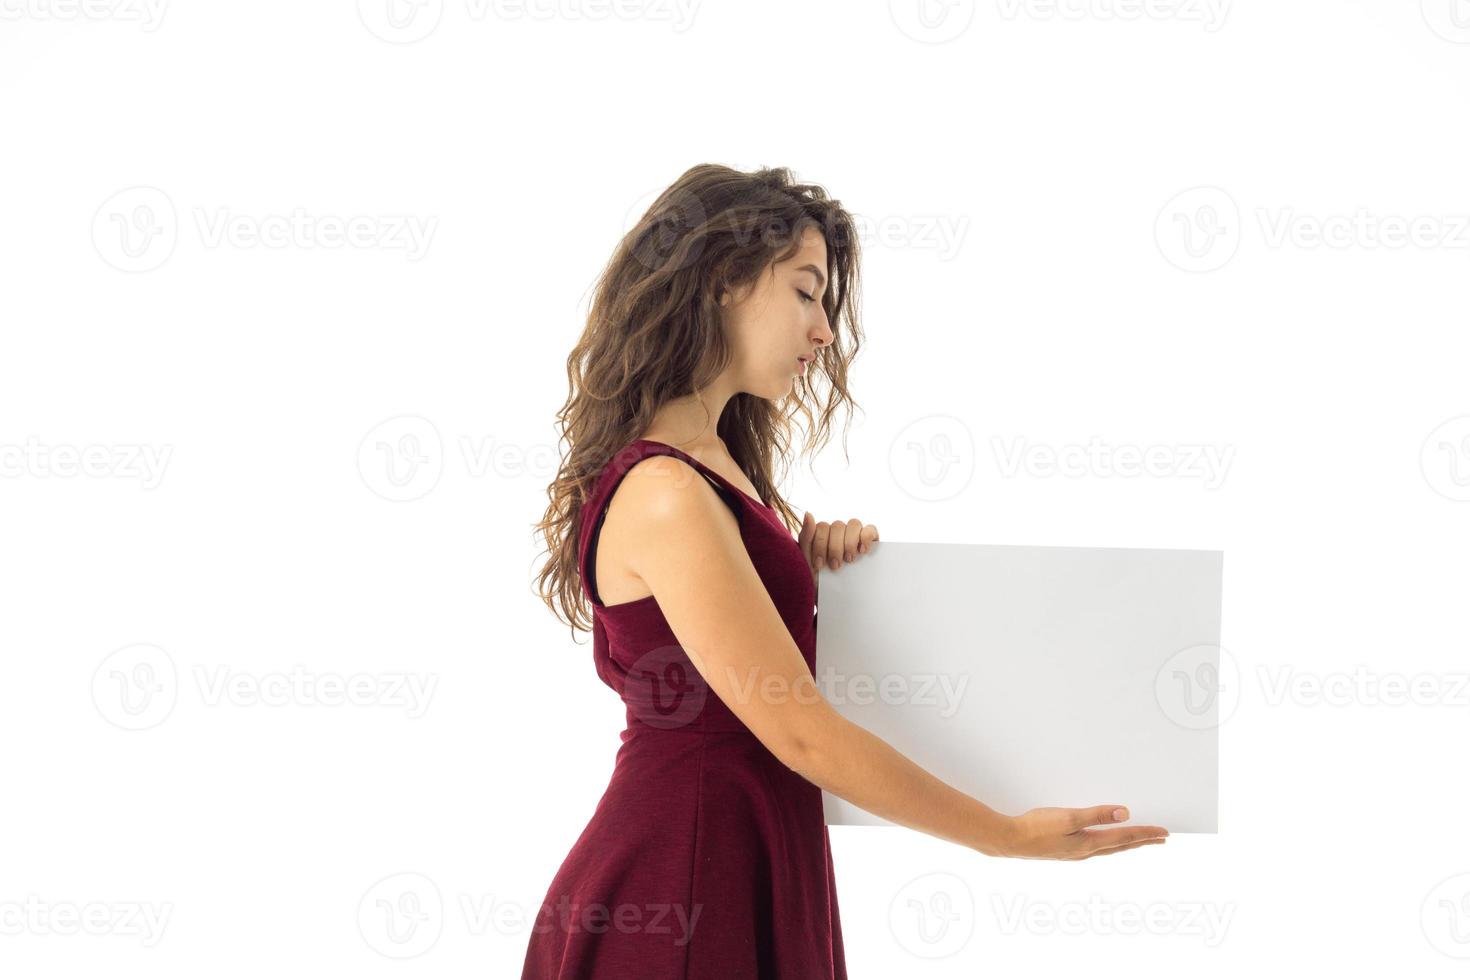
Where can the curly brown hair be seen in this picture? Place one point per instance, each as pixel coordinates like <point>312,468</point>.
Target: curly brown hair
<point>654,333</point>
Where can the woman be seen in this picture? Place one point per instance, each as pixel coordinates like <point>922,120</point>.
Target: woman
<point>708,856</point>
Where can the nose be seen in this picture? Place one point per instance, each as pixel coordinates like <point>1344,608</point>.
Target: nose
<point>823,335</point>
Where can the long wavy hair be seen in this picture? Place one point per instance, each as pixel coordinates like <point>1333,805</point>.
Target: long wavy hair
<point>654,333</point>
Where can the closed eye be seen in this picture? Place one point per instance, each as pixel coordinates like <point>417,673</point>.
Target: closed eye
<point>806,296</point>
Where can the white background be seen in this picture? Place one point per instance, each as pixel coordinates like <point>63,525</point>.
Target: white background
<point>1067,144</point>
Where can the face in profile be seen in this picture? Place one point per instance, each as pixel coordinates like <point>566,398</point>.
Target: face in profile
<point>777,321</point>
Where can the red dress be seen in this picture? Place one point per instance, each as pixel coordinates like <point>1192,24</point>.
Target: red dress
<point>706,858</point>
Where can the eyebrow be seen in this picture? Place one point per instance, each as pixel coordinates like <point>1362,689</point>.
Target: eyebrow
<point>821,278</point>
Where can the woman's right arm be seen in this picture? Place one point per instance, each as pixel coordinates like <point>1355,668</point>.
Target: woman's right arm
<point>687,549</point>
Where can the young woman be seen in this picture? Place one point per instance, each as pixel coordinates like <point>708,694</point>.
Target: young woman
<point>708,857</point>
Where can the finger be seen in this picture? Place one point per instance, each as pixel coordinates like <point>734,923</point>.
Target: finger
<point>804,536</point>
<point>1123,847</point>
<point>819,544</point>
<point>1116,836</point>
<point>1090,816</point>
<point>869,535</point>
<point>852,537</point>
<point>835,543</point>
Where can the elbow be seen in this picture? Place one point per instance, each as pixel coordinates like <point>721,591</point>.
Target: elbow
<point>807,740</point>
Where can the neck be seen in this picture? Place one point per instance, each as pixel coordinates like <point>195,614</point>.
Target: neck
<point>683,423</point>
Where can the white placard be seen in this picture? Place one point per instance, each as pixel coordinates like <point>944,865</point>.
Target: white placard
<point>1035,676</point>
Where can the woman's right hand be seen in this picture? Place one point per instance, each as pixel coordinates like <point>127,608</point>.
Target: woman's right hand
<point>1062,834</point>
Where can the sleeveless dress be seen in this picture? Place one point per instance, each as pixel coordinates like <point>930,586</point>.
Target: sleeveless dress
<point>706,858</point>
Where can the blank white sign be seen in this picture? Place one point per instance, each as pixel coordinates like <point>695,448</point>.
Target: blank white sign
<point>1034,676</point>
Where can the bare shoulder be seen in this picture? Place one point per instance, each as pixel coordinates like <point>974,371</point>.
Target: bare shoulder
<point>663,513</point>
<point>662,489</point>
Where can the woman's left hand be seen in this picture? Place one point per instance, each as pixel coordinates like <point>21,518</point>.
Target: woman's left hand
<point>835,543</point>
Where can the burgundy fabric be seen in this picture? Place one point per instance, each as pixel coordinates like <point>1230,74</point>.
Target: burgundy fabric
<point>706,858</point>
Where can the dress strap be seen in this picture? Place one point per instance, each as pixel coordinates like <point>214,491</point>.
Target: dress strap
<point>660,447</point>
